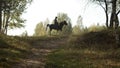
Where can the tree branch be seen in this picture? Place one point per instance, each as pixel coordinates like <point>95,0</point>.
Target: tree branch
<point>102,5</point>
<point>118,12</point>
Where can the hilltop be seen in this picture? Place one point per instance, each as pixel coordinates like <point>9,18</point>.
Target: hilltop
<point>89,50</point>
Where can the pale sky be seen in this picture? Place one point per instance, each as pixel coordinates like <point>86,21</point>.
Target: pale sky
<point>40,10</point>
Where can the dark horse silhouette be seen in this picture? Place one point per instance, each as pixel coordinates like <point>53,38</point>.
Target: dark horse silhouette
<point>56,27</point>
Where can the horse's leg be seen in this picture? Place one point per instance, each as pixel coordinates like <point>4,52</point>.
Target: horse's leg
<point>46,28</point>
<point>50,31</point>
<point>57,32</point>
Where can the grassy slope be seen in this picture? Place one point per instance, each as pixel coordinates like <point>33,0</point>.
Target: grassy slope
<point>91,50</point>
<point>12,50</point>
<point>15,50</point>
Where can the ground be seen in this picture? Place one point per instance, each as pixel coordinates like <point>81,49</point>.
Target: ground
<point>40,49</point>
<point>89,50</point>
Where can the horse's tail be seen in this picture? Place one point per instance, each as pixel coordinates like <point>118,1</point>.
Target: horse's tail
<point>47,26</point>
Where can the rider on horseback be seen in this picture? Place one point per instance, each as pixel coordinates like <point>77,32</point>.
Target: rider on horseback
<point>55,21</point>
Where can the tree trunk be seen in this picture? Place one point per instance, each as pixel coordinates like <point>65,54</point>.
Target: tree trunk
<point>113,19</point>
<point>0,17</point>
<point>6,24</point>
<point>107,20</point>
<point>106,6</point>
<point>116,21</point>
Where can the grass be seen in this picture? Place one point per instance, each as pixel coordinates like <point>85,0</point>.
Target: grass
<point>84,58</point>
<point>91,50</point>
<point>12,50</point>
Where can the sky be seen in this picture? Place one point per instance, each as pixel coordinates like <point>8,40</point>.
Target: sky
<point>40,10</point>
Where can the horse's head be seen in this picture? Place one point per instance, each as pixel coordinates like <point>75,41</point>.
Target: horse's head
<point>48,25</point>
<point>64,22</point>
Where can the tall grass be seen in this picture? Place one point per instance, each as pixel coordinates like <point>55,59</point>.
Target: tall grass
<point>12,51</point>
<point>90,50</point>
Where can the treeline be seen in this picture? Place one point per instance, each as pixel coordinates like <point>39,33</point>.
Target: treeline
<point>42,30</point>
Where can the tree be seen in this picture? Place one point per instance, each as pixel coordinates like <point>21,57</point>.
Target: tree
<point>80,22</point>
<point>76,30</point>
<point>114,11</point>
<point>40,30</point>
<point>79,26</point>
<point>105,9</point>
<point>105,5</point>
<point>46,22</point>
<point>66,29</point>
<point>24,34</point>
<point>114,16</point>
<point>10,13</point>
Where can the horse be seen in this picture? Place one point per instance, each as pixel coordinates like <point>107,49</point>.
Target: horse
<point>56,27</point>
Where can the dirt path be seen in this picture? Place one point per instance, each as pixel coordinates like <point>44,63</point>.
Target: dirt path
<point>40,49</point>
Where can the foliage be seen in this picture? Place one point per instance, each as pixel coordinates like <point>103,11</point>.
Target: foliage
<point>78,28</point>
<point>24,34</point>
<point>95,28</point>
<point>41,28</point>
<point>67,30</point>
<point>10,13</point>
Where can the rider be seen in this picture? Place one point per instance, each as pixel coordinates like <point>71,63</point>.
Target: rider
<point>55,21</point>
